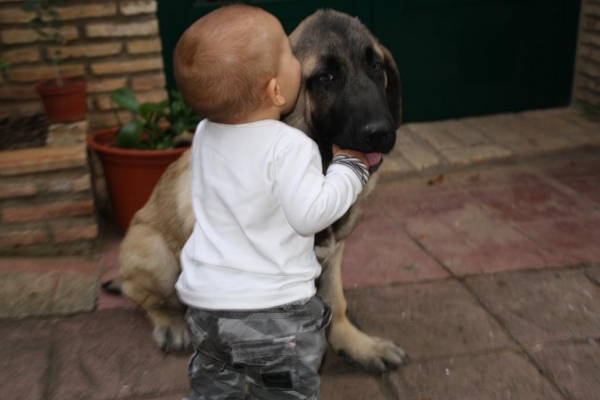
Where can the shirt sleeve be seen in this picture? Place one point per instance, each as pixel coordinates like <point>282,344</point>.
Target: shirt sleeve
<point>310,200</point>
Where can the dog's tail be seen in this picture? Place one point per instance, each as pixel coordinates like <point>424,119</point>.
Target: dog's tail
<point>113,286</point>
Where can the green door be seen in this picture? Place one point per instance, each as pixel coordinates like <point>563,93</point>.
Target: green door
<point>176,15</point>
<point>473,57</point>
<point>456,57</point>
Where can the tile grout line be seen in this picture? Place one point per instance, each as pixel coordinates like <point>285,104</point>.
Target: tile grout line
<point>446,167</point>
<point>566,190</point>
<point>520,349</point>
<point>582,268</point>
<point>463,283</point>
<point>50,374</point>
<point>513,224</point>
<point>388,388</point>
<point>145,396</point>
<point>532,270</point>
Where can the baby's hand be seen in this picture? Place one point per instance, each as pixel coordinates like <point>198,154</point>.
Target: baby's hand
<point>352,153</point>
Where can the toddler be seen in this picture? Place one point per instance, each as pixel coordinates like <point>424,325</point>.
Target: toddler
<point>259,196</point>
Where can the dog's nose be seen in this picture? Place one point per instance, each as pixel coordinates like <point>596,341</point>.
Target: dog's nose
<point>376,134</point>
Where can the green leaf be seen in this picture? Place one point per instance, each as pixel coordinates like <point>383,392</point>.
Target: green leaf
<point>177,107</point>
<point>153,129</point>
<point>130,135</point>
<point>160,107</point>
<point>146,110</point>
<point>179,126</point>
<point>126,99</point>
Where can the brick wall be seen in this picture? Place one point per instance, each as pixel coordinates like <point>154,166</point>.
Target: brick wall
<point>111,43</point>
<point>46,197</point>
<point>586,88</point>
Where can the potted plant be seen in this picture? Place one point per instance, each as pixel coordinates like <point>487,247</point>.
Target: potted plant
<point>136,154</point>
<point>64,99</point>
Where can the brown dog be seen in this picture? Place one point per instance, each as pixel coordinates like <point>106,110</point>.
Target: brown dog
<point>350,96</point>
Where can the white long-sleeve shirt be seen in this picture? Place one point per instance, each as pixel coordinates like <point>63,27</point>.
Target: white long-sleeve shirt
<point>259,195</point>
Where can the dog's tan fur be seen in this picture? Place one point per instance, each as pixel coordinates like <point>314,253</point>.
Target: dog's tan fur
<point>149,260</point>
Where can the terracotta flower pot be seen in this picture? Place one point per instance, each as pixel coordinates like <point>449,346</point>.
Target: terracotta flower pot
<point>130,174</point>
<point>63,103</point>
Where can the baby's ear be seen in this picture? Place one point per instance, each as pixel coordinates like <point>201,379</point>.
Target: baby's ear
<point>274,93</point>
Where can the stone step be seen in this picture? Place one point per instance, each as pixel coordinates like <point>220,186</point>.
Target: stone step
<point>47,286</point>
<point>460,143</point>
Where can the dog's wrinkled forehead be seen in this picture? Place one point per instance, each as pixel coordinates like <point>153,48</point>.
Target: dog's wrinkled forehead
<point>328,33</point>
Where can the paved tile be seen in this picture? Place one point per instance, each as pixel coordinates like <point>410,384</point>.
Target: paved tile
<point>498,129</point>
<point>546,139</point>
<point>379,252</point>
<point>571,123</point>
<point>26,293</point>
<point>581,168</point>
<point>111,355</point>
<point>560,119</point>
<point>109,269</point>
<point>491,377</point>
<point>571,241</point>
<point>25,349</point>
<point>582,176</point>
<point>586,188</point>
<point>593,273</point>
<point>75,292</point>
<point>431,319</point>
<point>407,201</point>
<point>394,166</point>
<point>473,242</point>
<point>417,154</point>
<point>590,138</point>
<point>524,197</point>
<point>350,386</point>
<point>475,154</point>
<point>542,306</point>
<point>46,286</point>
<point>574,367</point>
<point>465,133</point>
<point>177,395</point>
<point>455,229</point>
<point>435,135</point>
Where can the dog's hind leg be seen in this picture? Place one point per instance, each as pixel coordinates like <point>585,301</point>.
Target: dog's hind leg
<point>149,270</point>
<point>373,354</point>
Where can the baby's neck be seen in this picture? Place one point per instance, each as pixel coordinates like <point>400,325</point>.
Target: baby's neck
<point>259,115</point>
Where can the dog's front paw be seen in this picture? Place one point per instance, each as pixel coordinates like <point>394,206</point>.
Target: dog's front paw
<point>383,356</point>
<point>374,354</point>
<point>174,337</point>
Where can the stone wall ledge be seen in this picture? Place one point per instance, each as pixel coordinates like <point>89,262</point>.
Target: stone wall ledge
<point>42,159</point>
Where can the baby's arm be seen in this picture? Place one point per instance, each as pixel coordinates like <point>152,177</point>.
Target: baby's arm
<point>310,200</point>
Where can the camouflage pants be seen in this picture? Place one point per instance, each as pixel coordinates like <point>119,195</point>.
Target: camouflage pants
<point>271,354</point>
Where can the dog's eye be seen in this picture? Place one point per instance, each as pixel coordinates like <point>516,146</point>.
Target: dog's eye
<point>326,78</point>
<point>377,67</point>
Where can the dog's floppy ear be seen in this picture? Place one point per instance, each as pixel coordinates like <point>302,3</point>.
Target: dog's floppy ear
<point>393,87</point>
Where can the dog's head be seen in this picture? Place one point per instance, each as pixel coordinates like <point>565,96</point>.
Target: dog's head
<point>351,94</point>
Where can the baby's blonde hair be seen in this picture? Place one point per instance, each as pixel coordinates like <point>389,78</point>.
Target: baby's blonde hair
<point>224,61</point>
